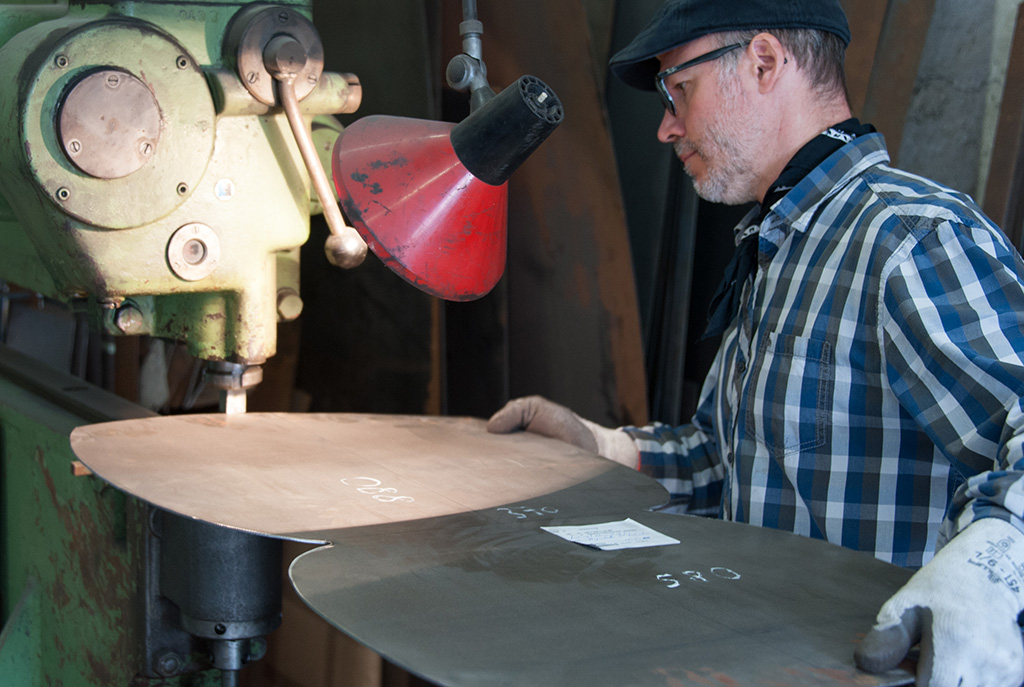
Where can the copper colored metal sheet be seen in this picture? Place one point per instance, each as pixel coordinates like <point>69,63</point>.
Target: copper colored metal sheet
<point>300,476</point>
<point>438,561</point>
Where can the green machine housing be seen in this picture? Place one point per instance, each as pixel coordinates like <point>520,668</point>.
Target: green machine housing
<point>149,177</point>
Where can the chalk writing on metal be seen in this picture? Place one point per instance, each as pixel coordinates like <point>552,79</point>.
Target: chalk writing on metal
<point>522,512</point>
<point>374,489</point>
<point>671,579</point>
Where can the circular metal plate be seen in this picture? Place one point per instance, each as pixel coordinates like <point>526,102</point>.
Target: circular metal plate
<point>465,601</point>
<point>301,476</point>
<point>258,27</point>
<point>193,252</point>
<point>109,124</point>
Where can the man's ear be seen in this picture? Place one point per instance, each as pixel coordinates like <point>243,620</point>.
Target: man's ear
<point>770,60</point>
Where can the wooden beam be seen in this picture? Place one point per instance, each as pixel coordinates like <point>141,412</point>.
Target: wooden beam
<point>1003,195</point>
<point>573,320</point>
<point>891,86</point>
<point>866,18</point>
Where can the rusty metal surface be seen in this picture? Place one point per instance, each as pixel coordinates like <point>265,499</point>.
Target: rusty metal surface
<point>299,476</point>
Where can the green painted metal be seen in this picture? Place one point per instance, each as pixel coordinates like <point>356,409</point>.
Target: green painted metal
<point>70,571</point>
<point>59,537</point>
<point>71,549</point>
<point>20,645</point>
<point>104,242</point>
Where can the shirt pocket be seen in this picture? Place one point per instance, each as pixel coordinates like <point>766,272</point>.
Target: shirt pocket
<point>789,394</point>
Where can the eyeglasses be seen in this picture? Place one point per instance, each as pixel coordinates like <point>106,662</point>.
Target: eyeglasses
<point>659,80</point>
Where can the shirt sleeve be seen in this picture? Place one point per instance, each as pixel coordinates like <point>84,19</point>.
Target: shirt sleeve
<point>953,332</point>
<point>685,459</point>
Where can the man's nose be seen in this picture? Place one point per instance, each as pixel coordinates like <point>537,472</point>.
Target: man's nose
<point>671,128</point>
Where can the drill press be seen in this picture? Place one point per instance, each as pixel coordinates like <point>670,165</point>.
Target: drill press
<point>158,174</point>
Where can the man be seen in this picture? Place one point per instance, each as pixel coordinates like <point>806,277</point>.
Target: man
<point>869,387</point>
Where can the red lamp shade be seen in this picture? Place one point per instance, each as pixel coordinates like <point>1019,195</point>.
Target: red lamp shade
<point>418,208</point>
<point>430,198</point>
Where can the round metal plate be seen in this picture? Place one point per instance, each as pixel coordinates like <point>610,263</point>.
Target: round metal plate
<point>109,124</point>
<point>258,26</point>
<point>193,251</point>
<point>466,601</point>
<point>301,476</point>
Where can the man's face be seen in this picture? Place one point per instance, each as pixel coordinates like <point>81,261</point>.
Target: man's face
<point>716,131</point>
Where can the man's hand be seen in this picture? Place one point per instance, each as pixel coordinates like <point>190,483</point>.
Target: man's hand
<point>963,608</point>
<point>538,415</point>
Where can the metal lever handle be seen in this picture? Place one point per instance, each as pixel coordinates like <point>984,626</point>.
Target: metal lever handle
<point>284,58</point>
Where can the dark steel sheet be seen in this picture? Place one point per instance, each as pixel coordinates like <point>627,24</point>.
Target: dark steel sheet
<point>468,602</point>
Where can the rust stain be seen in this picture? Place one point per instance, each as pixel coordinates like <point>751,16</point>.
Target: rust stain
<point>670,680</point>
<point>102,675</point>
<point>721,678</point>
<point>698,679</point>
<point>88,581</point>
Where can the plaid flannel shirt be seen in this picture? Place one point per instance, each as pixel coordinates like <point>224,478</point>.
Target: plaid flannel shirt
<point>871,391</point>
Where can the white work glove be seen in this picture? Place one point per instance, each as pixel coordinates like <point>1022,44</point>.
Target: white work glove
<point>962,607</point>
<point>538,415</point>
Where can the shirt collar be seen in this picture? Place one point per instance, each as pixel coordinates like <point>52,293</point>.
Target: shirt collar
<point>795,210</point>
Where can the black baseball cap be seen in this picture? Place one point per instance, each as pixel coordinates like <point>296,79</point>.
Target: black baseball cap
<point>681,21</point>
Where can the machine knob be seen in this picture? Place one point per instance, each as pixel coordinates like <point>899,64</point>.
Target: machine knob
<point>284,45</point>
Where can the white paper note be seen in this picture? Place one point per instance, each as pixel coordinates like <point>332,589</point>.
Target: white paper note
<point>612,536</point>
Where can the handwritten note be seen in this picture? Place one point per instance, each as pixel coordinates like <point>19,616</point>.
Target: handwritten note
<point>612,536</point>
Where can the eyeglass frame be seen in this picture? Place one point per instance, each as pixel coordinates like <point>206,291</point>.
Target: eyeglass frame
<point>659,80</point>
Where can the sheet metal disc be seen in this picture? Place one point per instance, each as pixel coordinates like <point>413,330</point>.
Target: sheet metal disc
<point>438,561</point>
<point>301,476</point>
<point>470,602</point>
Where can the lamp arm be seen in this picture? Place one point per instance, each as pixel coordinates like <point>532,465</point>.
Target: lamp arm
<point>467,71</point>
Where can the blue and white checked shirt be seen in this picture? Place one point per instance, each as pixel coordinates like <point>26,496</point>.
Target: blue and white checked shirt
<point>870,392</point>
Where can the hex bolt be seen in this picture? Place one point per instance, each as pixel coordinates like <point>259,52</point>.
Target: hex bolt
<point>61,61</point>
<point>289,304</point>
<point>63,193</point>
<point>129,319</point>
<point>168,664</point>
